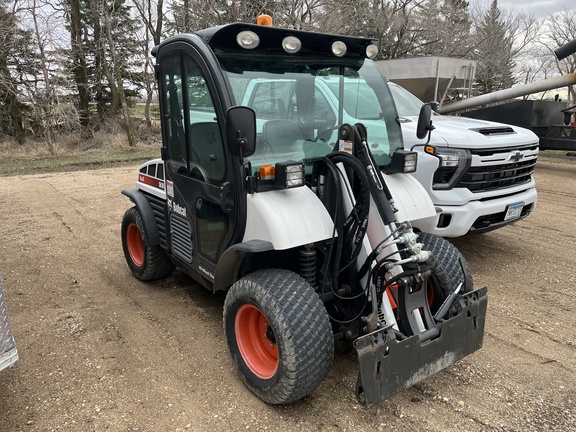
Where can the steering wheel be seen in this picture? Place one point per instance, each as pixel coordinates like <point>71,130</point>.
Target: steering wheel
<point>324,130</point>
<point>198,173</point>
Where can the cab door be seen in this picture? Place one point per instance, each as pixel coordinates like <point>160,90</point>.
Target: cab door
<point>197,165</point>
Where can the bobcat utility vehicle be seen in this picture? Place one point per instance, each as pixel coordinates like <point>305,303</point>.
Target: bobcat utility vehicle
<point>300,215</point>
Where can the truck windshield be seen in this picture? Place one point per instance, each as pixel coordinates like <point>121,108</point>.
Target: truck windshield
<point>407,104</point>
<point>300,106</point>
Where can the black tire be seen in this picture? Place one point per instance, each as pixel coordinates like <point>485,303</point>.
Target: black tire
<point>279,335</point>
<point>449,268</point>
<point>146,262</point>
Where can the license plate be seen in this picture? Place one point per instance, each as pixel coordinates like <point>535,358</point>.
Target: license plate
<point>513,211</point>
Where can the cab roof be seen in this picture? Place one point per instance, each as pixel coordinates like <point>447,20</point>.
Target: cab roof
<point>223,39</point>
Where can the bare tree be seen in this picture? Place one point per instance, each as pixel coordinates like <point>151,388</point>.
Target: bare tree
<point>45,99</point>
<point>118,83</point>
<point>557,30</point>
<point>151,14</point>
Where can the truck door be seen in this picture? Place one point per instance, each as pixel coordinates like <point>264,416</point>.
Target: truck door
<point>196,163</point>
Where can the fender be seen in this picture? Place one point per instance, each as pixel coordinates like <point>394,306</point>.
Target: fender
<point>287,218</point>
<point>229,264</point>
<point>143,206</point>
<point>410,197</point>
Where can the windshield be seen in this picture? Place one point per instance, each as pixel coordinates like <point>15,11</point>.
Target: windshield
<point>300,106</point>
<point>407,104</point>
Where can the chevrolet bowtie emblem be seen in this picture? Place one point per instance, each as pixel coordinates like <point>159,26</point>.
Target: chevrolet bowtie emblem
<point>516,156</point>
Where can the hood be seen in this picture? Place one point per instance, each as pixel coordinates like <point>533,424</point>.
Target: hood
<point>463,132</point>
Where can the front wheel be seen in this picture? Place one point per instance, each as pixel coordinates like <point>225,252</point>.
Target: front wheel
<point>279,335</point>
<point>146,262</point>
<point>449,269</point>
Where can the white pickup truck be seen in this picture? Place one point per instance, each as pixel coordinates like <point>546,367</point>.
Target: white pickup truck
<point>8,352</point>
<point>478,174</point>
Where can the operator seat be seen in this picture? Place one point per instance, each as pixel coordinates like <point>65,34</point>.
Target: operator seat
<point>282,136</point>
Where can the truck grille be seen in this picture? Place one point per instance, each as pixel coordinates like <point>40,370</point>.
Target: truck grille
<point>494,169</point>
<point>485,178</point>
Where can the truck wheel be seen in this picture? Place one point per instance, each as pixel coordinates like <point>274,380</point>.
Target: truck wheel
<point>447,270</point>
<point>146,262</point>
<point>279,335</point>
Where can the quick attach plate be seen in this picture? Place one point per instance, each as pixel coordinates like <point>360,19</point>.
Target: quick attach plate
<point>389,365</point>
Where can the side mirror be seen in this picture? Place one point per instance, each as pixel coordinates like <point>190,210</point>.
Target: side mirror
<point>241,131</point>
<point>424,121</point>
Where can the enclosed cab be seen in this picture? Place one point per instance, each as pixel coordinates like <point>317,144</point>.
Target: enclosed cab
<point>300,214</point>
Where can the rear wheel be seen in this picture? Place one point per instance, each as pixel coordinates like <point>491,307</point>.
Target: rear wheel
<point>279,335</point>
<point>449,269</point>
<point>146,262</point>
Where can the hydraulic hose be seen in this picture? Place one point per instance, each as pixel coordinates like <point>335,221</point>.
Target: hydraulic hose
<point>377,186</point>
<point>352,228</point>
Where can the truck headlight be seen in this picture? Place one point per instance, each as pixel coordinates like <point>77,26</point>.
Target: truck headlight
<point>449,157</point>
<point>452,165</point>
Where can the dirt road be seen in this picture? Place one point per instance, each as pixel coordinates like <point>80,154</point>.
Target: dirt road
<point>100,350</point>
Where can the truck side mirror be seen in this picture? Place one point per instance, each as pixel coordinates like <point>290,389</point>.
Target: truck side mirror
<point>424,121</point>
<point>241,131</point>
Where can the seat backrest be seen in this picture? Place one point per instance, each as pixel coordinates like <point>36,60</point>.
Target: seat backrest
<point>281,135</point>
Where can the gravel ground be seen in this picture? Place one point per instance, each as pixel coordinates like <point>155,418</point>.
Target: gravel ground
<point>100,350</point>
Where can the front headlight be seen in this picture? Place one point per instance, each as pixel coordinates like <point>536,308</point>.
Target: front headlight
<point>289,175</point>
<point>403,161</point>
<point>452,165</point>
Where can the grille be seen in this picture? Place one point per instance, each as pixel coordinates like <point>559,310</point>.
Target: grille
<point>497,169</point>
<point>159,208</point>
<point>488,221</point>
<point>504,151</point>
<point>485,178</point>
<point>181,238</point>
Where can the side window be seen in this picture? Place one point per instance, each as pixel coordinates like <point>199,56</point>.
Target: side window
<point>192,135</point>
<point>172,100</point>
<point>207,161</point>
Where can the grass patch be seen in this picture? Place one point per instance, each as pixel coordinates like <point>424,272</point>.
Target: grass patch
<point>108,149</point>
<point>74,154</point>
<point>558,156</point>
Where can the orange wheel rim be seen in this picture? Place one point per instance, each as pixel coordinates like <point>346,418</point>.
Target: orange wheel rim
<point>135,244</point>
<point>256,341</point>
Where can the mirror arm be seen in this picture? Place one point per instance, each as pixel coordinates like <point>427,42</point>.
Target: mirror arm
<point>241,141</point>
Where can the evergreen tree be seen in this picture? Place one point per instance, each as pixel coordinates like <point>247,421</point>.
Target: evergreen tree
<point>494,53</point>
<point>446,27</point>
<point>17,66</point>
<point>99,29</point>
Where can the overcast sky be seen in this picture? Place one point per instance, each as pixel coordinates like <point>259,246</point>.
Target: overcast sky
<point>538,8</point>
